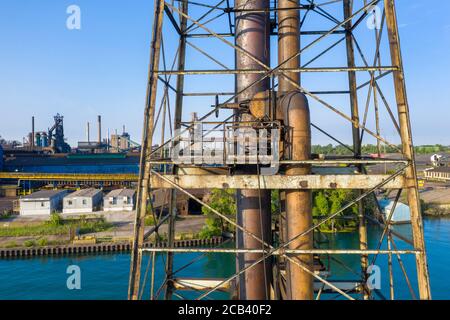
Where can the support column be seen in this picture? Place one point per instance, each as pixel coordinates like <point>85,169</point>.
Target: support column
<point>348,10</point>
<point>252,35</point>
<point>408,151</point>
<point>177,126</point>
<point>146,149</point>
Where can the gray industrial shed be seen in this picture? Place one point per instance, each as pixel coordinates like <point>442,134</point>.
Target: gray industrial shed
<point>81,201</point>
<point>119,200</point>
<point>42,202</point>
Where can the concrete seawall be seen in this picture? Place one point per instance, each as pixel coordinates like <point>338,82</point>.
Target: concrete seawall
<point>98,248</point>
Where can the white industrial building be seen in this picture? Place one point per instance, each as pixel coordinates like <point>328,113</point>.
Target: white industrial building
<point>83,201</point>
<point>119,200</point>
<point>438,174</point>
<point>44,202</point>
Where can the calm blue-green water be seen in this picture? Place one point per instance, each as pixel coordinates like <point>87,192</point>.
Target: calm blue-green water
<point>106,276</point>
<point>437,238</point>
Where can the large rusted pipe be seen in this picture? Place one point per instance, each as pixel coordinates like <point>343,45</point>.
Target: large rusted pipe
<point>288,43</point>
<point>252,35</point>
<point>294,111</point>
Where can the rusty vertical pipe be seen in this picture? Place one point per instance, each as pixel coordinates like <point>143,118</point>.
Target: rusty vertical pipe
<point>252,35</point>
<point>288,42</point>
<point>294,110</point>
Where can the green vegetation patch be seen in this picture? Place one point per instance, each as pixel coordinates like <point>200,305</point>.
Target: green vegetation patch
<point>224,201</point>
<point>372,149</point>
<point>56,226</point>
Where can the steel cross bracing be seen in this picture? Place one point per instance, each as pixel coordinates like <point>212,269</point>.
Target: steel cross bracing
<point>190,31</point>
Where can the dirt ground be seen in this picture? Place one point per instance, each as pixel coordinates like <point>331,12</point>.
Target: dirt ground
<point>437,198</point>
<point>124,223</point>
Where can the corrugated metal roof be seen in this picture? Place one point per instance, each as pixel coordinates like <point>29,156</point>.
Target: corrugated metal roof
<point>121,193</point>
<point>43,194</point>
<point>440,169</point>
<point>90,192</point>
<point>401,213</point>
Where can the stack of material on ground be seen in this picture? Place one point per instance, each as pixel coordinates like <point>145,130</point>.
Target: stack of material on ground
<point>119,200</point>
<point>42,202</point>
<point>81,201</point>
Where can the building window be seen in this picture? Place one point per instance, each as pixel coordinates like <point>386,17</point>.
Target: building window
<point>69,202</point>
<point>42,204</point>
<point>84,202</point>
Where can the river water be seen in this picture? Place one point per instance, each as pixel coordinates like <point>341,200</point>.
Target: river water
<point>106,276</point>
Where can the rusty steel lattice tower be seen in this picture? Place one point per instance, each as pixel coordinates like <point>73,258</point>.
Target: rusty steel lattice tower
<point>277,255</point>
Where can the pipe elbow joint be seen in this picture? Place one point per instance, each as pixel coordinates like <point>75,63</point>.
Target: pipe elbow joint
<point>296,113</point>
<point>295,107</point>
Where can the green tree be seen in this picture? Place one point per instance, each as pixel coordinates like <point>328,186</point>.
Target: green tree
<point>275,202</point>
<point>327,202</point>
<point>224,201</point>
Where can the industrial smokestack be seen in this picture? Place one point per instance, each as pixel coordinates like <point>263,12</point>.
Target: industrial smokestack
<point>32,133</point>
<point>294,111</point>
<point>252,35</point>
<point>99,121</point>
<point>88,133</point>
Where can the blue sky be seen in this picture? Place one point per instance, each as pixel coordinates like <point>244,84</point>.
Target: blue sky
<point>102,68</point>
